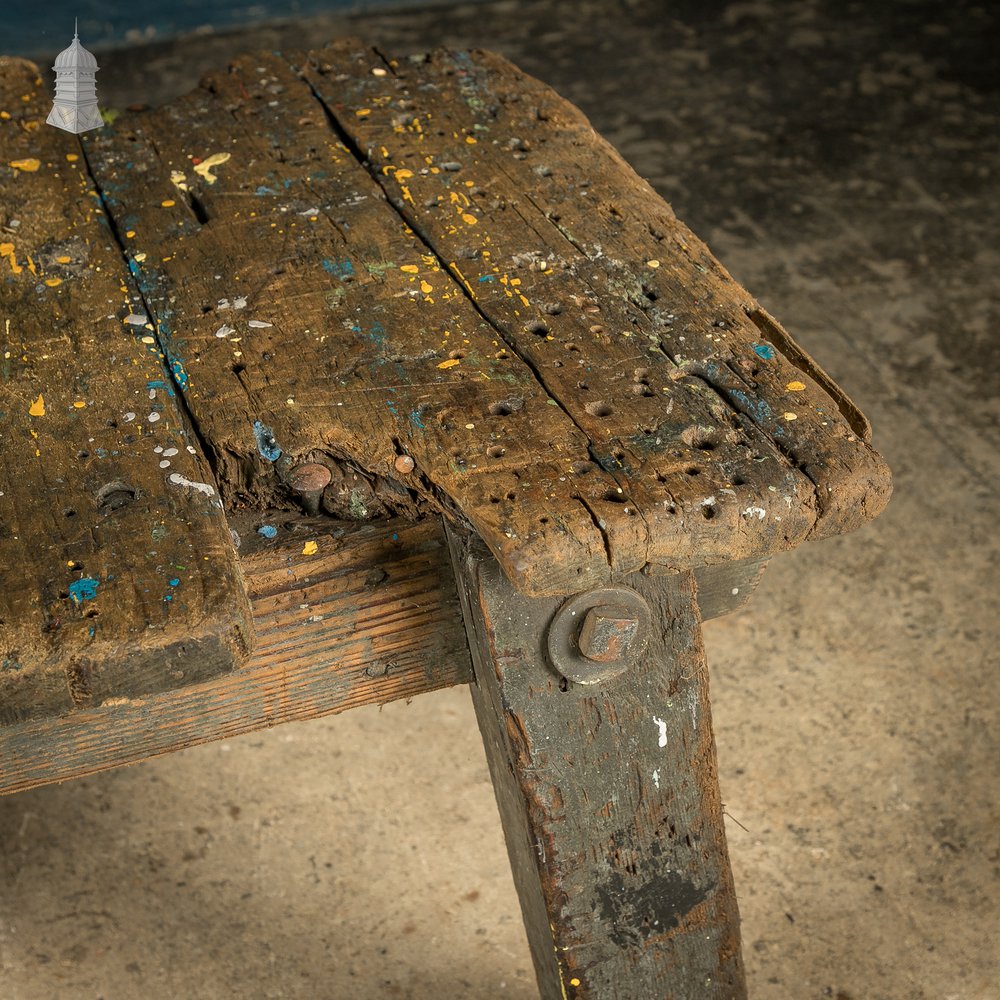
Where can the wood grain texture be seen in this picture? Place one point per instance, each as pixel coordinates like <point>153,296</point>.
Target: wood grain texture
<point>609,797</point>
<point>566,365</point>
<point>370,617</point>
<point>117,573</point>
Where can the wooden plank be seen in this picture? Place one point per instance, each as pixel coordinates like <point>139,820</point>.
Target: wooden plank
<point>645,339</point>
<point>117,573</point>
<point>370,617</point>
<point>609,798</point>
<point>330,332</point>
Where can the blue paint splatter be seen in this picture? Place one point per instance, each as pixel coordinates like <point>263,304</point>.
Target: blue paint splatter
<point>158,383</point>
<point>176,580</point>
<point>264,189</point>
<point>168,597</point>
<point>487,277</point>
<point>415,419</point>
<point>755,408</point>
<point>339,268</point>
<point>267,530</point>
<point>765,351</point>
<point>392,407</point>
<point>84,589</point>
<point>266,444</point>
<point>180,374</point>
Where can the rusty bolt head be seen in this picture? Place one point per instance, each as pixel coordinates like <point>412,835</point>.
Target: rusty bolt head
<point>607,633</point>
<point>404,464</point>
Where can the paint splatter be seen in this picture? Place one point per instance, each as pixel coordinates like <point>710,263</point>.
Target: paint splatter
<point>224,331</point>
<point>266,443</point>
<point>795,386</point>
<point>7,250</point>
<point>310,549</point>
<point>178,180</point>
<point>757,512</point>
<point>204,168</point>
<point>339,268</point>
<point>267,530</point>
<point>450,363</point>
<point>765,351</point>
<point>37,408</point>
<point>29,165</point>
<point>258,324</point>
<point>178,480</point>
<point>84,589</point>
<point>790,416</point>
<point>662,726</point>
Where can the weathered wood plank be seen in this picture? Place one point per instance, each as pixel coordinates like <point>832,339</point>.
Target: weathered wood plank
<point>632,324</point>
<point>370,617</point>
<point>331,335</point>
<point>609,798</point>
<point>117,574</point>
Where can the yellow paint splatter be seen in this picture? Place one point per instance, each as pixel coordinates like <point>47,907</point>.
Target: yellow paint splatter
<point>469,219</point>
<point>130,233</point>
<point>168,203</point>
<point>402,175</point>
<point>795,386</point>
<point>363,112</point>
<point>178,180</point>
<point>652,263</point>
<point>64,259</point>
<point>29,165</point>
<point>310,549</point>
<point>4,115</point>
<point>79,404</point>
<point>470,140</point>
<point>426,288</point>
<point>37,408</point>
<point>204,169</point>
<point>574,981</point>
<point>410,268</point>
<point>790,416</point>
<point>7,250</point>
<point>52,282</point>
<point>72,157</point>
<point>450,363</point>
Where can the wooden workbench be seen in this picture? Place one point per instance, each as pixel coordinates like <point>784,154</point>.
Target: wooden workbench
<point>532,398</point>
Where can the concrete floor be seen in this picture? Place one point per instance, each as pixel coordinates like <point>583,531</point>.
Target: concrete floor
<point>843,161</point>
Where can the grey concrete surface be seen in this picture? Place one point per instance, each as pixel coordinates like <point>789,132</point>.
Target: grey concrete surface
<point>843,160</point>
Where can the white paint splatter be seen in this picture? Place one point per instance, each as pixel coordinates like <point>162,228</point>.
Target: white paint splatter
<point>755,512</point>
<point>165,464</point>
<point>258,323</point>
<point>178,480</point>
<point>661,723</point>
<point>158,449</point>
<point>240,302</point>
<point>129,417</point>
<point>169,452</point>
<point>656,778</point>
<point>224,331</point>
<point>137,319</point>
<point>153,417</point>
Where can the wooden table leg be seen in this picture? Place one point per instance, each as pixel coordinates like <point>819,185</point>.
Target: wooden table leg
<point>609,795</point>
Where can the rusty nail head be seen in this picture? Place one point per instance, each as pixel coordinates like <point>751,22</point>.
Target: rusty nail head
<point>309,480</point>
<point>607,633</point>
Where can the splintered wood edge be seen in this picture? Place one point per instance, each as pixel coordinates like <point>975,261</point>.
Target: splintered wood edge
<point>344,617</point>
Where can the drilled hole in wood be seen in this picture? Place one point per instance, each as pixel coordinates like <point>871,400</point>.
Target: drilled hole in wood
<point>739,481</point>
<point>90,613</point>
<point>205,309</point>
<point>582,385</point>
<point>496,451</point>
<point>693,470</point>
<point>69,512</point>
<point>505,407</point>
<point>650,293</point>
<point>494,499</point>
<point>512,495</point>
<point>599,408</point>
<point>615,496</point>
<point>456,355</point>
<point>115,495</point>
<point>538,328</point>
<point>83,454</point>
<point>707,511</point>
<point>543,520</point>
<point>582,468</point>
<point>239,369</point>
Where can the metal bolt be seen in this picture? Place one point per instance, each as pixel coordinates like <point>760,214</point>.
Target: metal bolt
<point>596,635</point>
<point>607,633</point>
<point>309,480</point>
<point>404,464</point>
